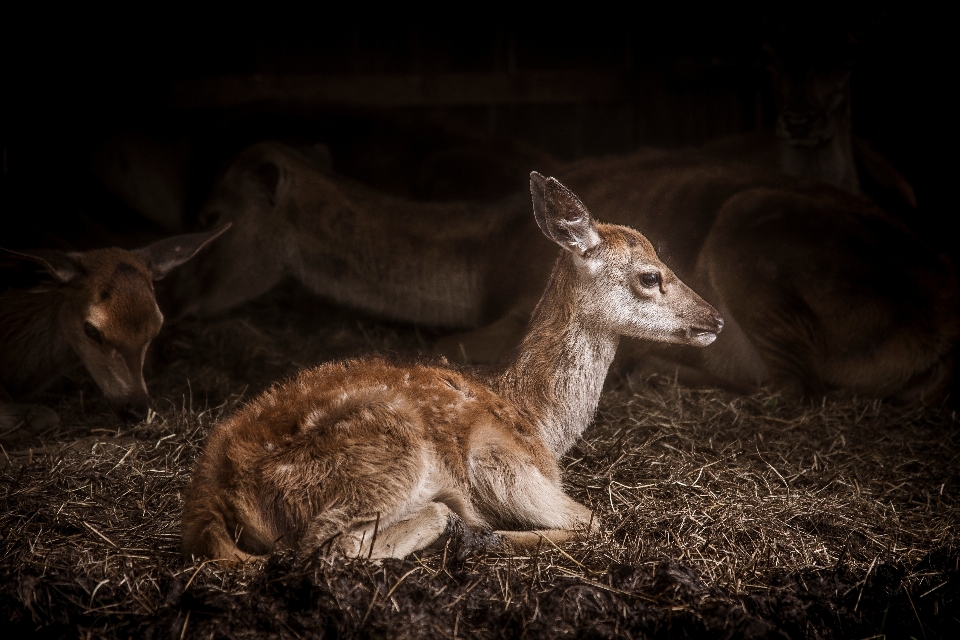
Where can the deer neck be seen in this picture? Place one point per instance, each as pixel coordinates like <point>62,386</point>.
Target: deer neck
<point>33,350</point>
<point>831,161</point>
<point>556,374</point>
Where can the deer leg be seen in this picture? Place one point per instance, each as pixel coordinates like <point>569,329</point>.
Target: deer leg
<point>365,538</point>
<point>516,493</point>
<point>573,522</point>
<point>568,521</point>
<point>526,540</point>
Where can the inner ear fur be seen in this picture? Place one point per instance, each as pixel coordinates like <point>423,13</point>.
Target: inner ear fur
<point>163,256</point>
<point>561,216</point>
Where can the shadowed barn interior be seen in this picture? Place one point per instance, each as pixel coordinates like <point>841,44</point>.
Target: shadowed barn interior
<point>726,508</point>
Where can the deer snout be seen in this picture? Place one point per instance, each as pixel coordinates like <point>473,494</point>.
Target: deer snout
<point>706,331</point>
<point>799,126</point>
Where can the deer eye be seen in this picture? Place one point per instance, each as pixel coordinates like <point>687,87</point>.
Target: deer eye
<point>650,280</point>
<point>93,333</point>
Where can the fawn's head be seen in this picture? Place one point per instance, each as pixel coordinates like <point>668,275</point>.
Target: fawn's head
<point>109,313</point>
<point>624,287</point>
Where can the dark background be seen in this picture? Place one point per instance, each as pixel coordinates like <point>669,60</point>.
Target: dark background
<point>672,77</point>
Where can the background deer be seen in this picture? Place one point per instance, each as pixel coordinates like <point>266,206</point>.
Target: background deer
<point>96,308</point>
<point>821,290</point>
<point>379,460</point>
<point>813,134</point>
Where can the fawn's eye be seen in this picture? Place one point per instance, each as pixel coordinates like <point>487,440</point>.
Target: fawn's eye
<point>93,333</point>
<point>650,280</point>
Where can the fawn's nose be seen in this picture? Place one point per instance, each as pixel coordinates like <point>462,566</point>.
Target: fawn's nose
<point>719,321</point>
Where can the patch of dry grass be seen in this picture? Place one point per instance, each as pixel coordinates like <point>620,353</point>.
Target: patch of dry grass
<point>720,515</point>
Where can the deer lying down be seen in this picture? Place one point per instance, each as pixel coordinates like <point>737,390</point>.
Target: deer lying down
<point>380,460</point>
<point>98,309</point>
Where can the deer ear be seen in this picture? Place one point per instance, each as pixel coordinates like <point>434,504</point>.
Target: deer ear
<point>163,256</point>
<point>561,216</point>
<point>62,266</point>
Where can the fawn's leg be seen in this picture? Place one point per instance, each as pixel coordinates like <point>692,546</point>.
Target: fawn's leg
<point>515,493</point>
<point>367,538</point>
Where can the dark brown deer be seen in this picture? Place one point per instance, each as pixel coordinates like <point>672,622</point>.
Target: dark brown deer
<point>380,460</point>
<point>822,290</point>
<point>95,308</point>
<point>813,135</point>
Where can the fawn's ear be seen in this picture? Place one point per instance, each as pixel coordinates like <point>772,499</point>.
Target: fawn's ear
<point>561,216</point>
<point>163,256</point>
<point>61,265</point>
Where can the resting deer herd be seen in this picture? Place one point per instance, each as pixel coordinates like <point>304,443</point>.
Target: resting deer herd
<point>816,290</point>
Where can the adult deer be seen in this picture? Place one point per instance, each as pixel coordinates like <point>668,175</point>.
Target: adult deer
<point>821,290</point>
<point>95,308</point>
<point>379,459</point>
<point>813,135</point>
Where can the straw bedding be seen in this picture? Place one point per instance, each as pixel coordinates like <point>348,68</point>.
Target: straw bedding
<point>722,516</point>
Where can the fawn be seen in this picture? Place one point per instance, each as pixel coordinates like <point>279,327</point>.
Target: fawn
<point>378,459</point>
<point>98,308</point>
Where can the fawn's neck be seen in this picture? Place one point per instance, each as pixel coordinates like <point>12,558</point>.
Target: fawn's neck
<point>556,374</point>
<point>32,348</point>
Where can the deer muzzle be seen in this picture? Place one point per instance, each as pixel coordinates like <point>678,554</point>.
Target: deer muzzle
<point>705,333</point>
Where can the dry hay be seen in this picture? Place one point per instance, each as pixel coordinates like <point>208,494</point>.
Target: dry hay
<point>721,516</point>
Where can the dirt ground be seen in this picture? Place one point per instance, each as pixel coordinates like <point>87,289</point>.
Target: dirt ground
<point>721,516</point>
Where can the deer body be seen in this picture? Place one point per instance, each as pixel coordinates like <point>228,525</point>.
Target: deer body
<point>346,242</point>
<point>96,309</point>
<point>379,459</point>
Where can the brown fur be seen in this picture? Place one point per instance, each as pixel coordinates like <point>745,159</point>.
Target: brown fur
<point>374,459</point>
<point>820,312</point>
<point>98,311</point>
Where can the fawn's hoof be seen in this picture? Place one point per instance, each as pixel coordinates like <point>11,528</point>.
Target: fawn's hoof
<point>465,541</point>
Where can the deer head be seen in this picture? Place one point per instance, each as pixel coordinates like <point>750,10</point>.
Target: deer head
<point>812,92</point>
<point>625,288</point>
<point>108,313</point>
